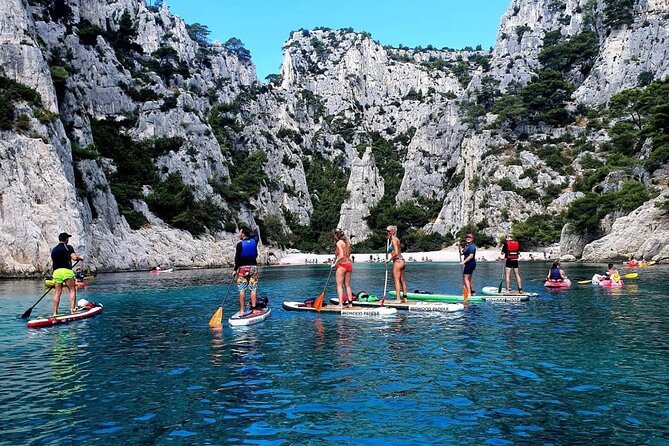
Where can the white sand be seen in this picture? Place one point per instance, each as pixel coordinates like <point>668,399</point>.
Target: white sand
<point>449,254</point>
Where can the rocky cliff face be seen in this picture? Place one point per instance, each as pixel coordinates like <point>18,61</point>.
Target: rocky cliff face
<point>411,125</point>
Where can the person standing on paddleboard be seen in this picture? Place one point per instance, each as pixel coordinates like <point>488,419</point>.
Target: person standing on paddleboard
<point>469,263</point>
<point>344,268</point>
<point>511,251</point>
<point>62,256</point>
<point>399,264</point>
<point>246,267</point>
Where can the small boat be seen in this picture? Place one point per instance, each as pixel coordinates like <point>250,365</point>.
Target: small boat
<point>160,271</point>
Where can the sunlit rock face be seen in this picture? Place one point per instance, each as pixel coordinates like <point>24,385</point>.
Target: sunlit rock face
<point>340,96</point>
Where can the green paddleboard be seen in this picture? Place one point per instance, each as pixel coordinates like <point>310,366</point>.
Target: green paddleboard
<point>439,297</point>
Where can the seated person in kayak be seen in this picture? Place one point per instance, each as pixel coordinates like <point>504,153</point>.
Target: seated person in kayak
<point>556,273</point>
<point>612,271</point>
<point>79,275</point>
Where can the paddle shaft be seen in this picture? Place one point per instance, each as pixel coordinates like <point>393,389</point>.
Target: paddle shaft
<point>327,281</point>
<point>499,288</point>
<point>385,282</point>
<point>26,314</point>
<point>227,291</point>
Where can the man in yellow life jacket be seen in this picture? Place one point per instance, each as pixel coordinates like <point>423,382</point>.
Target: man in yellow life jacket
<point>511,251</point>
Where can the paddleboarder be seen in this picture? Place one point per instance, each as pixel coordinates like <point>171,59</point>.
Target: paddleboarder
<point>399,264</point>
<point>511,251</point>
<point>469,263</point>
<point>246,267</point>
<point>344,268</point>
<point>62,256</point>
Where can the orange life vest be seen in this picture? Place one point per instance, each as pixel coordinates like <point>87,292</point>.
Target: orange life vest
<point>512,249</point>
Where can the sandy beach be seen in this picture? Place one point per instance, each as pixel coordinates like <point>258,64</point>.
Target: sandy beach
<point>449,254</point>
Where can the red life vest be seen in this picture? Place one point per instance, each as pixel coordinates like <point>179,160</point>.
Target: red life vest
<point>512,249</point>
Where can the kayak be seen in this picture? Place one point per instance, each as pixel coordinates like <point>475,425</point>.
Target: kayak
<point>250,318</point>
<point>513,296</point>
<point>408,306</point>
<point>353,311</point>
<point>566,283</point>
<point>50,283</point>
<point>638,265</point>
<point>607,283</point>
<point>84,313</point>
<point>159,271</point>
<point>423,295</point>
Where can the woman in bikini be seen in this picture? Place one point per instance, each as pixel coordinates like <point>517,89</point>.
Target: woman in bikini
<point>344,268</point>
<point>398,264</point>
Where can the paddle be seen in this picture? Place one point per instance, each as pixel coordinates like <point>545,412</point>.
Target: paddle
<point>26,314</point>
<point>499,288</point>
<point>465,293</point>
<point>318,303</point>
<point>631,275</point>
<point>215,320</point>
<point>385,281</point>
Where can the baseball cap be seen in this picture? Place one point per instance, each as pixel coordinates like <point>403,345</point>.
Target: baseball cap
<point>63,236</point>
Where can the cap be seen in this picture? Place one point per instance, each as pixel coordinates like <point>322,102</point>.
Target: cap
<point>470,235</point>
<point>63,236</point>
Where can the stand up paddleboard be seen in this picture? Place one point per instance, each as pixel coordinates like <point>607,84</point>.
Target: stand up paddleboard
<point>250,318</point>
<point>421,295</point>
<point>353,311</point>
<point>407,306</point>
<point>492,295</point>
<point>84,313</point>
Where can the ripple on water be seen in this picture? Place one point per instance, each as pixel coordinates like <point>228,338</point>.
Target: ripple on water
<point>545,366</point>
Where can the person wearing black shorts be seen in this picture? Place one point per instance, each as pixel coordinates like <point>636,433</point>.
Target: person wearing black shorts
<point>511,251</point>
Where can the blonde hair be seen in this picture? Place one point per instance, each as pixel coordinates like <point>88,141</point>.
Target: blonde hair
<point>339,234</point>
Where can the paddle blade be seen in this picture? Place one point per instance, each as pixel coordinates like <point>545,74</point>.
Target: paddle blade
<point>89,277</point>
<point>499,288</point>
<point>318,303</point>
<point>465,293</point>
<point>584,282</point>
<point>27,313</point>
<point>215,320</point>
<point>631,275</point>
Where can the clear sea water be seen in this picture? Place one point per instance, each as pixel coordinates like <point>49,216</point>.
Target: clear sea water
<point>581,366</point>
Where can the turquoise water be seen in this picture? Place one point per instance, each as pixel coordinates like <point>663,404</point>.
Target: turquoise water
<point>581,366</point>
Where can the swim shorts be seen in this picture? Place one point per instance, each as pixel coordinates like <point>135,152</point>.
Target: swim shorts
<point>247,278</point>
<point>62,274</point>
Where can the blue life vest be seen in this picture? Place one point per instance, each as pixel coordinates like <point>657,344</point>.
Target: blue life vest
<point>249,248</point>
<point>555,274</point>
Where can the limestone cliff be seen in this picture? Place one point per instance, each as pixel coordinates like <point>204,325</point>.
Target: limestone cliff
<point>136,111</point>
